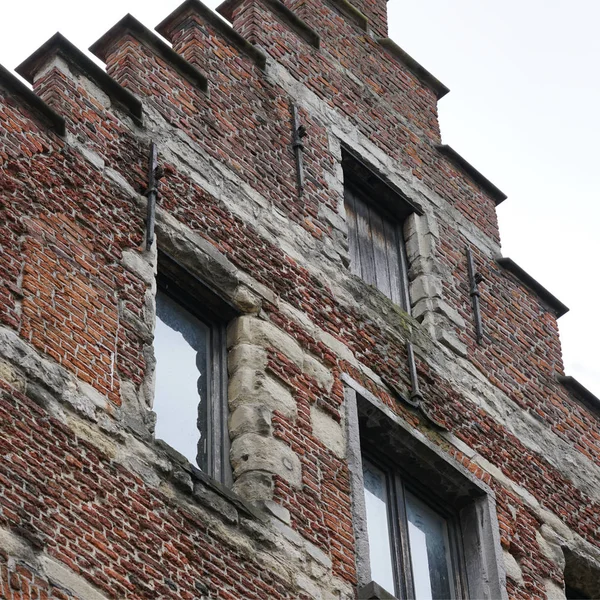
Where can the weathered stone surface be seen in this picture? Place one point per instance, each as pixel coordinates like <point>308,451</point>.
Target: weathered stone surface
<point>249,386</point>
<point>248,356</point>
<point>250,418</point>
<point>513,569</point>
<point>215,502</point>
<point>251,330</point>
<point>328,431</point>
<point>251,452</point>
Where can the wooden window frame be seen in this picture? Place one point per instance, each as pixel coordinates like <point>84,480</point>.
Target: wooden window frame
<point>397,483</point>
<point>208,307</point>
<point>384,202</point>
<point>424,467</point>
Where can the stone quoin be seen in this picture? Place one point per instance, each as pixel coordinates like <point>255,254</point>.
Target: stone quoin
<point>257,336</point>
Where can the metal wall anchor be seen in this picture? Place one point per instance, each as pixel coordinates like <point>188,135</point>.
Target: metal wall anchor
<point>475,278</point>
<point>299,132</point>
<point>154,174</point>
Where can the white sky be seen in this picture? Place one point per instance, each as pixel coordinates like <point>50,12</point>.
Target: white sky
<point>522,109</point>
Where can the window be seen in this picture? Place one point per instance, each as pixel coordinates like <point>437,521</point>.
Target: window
<point>376,247</point>
<point>425,527</point>
<point>375,213</point>
<point>414,545</point>
<point>582,576</point>
<point>190,351</point>
<point>573,594</point>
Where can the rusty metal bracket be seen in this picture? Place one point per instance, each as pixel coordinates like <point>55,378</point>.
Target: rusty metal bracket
<point>415,394</point>
<point>415,400</point>
<point>299,132</point>
<point>154,174</point>
<point>475,278</point>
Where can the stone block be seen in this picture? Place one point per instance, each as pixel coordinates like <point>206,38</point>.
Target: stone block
<point>252,330</point>
<point>250,418</point>
<point>250,386</point>
<point>254,486</point>
<point>246,355</point>
<point>513,569</point>
<point>328,431</point>
<point>252,452</point>
<point>321,374</point>
<point>425,286</point>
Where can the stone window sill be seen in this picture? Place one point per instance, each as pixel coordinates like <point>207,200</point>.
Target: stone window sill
<point>373,591</point>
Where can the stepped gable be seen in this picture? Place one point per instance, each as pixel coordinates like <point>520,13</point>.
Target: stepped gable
<point>193,11</point>
<point>17,89</point>
<point>449,152</point>
<point>366,83</point>
<point>314,368</point>
<point>59,46</point>
<point>551,301</point>
<point>243,114</point>
<point>586,397</point>
<point>130,26</point>
<point>421,72</point>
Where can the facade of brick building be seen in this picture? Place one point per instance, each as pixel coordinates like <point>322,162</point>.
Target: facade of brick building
<point>378,402</point>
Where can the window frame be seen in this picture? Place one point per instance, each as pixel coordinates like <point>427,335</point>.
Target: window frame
<point>203,303</point>
<point>370,423</point>
<point>397,483</point>
<point>354,197</point>
<point>382,197</point>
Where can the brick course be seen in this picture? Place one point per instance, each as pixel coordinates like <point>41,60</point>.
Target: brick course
<point>89,487</point>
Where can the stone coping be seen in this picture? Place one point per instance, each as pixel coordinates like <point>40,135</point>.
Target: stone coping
<point>449,152</point>
<point>48,115</point>
<point>587,398</point>
<point>195,7</point>
<point>351,13</point>
<point>551,301</point>
<point>130,25</point>
<point>58,45</point>
<point>432,82</point>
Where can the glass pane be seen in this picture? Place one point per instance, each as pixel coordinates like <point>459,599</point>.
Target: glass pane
<point>378,529</point>
<point>181,347</point>
<point>429,551</point>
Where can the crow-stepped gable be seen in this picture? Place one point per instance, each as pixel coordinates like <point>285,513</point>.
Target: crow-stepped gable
<point>257,336</point>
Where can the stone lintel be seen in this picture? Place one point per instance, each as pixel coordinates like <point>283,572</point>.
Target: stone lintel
<point>49,117</point>
<point>58,45</point>
<point>194,7</point>
<point>129,25</point>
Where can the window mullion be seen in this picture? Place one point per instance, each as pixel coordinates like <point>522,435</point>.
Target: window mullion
<point>223,443</point>
<point>403,268</point>
<point>401,541</point>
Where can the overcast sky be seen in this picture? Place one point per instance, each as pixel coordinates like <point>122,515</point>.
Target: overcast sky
<point>522,109</point>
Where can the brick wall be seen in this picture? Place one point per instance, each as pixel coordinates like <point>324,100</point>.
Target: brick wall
<point>90,504</point>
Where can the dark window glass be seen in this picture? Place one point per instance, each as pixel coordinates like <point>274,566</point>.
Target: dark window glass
<point>574,594</point>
